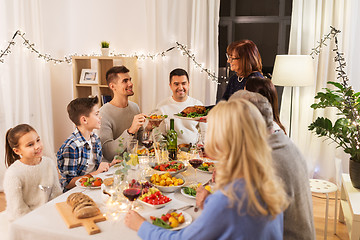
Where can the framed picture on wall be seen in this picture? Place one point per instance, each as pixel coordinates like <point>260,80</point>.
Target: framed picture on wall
<point>89,76</point>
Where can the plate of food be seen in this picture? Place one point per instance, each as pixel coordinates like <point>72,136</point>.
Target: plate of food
<point>156,118</point>
<point>173,167</point>
<point>207,167</point>
<point>165,182</point>
<point>193,113</point>
<point>144,151</point>
<point>154,198</point>
<point>89,182</point>
<point>189,191</point>
<point>174,221</point>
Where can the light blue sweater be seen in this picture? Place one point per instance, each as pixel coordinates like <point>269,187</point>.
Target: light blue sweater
<point>219,221</point>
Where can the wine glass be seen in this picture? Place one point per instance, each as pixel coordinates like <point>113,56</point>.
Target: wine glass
<point>147,142</point>
<point>195,163</point>
<point>132,192</point>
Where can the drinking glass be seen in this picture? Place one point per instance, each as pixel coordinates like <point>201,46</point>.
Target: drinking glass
<point>132,192</point>
<point>147,142</point>
<point>195,163</point>
<point>132,148</point>
<point>164,151</point>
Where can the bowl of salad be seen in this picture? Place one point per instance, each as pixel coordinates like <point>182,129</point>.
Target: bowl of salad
<point>172,167</point>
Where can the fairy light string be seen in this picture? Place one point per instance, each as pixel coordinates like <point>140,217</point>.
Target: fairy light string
<point>68,59</point>
<point>349,99</point>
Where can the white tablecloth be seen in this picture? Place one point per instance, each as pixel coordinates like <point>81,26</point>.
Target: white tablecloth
<point>45,222</point>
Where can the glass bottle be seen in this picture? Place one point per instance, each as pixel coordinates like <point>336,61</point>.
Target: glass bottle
<point>172,141</point>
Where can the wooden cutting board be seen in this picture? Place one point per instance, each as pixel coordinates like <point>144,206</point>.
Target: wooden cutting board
<point>72,222</point>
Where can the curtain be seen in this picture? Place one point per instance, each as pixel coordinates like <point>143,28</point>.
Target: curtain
<point>190,22</point>
<point>24,79</point>
<point>311,20</point>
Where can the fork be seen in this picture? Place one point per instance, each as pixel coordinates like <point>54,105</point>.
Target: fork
<point>182,208</point>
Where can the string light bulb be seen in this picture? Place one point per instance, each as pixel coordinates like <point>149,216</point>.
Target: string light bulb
<point>68,59</point>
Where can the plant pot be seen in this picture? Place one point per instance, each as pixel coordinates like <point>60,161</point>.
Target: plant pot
<point>105,51</point>
<point>354,170</point>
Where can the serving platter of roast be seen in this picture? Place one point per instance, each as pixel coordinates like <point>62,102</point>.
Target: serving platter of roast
<point>194,112</point>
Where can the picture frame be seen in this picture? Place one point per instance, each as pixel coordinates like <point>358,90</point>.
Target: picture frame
<point>89,76</point>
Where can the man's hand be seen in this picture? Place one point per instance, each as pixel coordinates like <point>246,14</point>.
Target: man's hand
<point>133,220</point>
<point>137,123</point>
<point>201,195</point>
<point>153,124</point>
<point>103,167</point>
<point>115,161</point>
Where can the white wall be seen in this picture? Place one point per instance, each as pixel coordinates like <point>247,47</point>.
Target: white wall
<point>78,27</point>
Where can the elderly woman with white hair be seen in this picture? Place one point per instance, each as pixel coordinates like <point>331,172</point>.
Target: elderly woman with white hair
<point>249,199</point>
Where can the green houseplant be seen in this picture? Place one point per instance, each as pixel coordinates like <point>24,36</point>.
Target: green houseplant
<point>105,48</point>
<point>345,130</point>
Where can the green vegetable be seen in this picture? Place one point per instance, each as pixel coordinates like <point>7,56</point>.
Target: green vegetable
<point>160,223</point>
<point>203,168</point>
<point>190,191</point>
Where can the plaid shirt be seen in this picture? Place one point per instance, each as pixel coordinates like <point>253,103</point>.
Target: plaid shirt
<point>73,155</point>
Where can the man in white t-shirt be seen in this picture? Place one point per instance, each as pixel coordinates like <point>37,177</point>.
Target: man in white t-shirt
<point>186,129</point>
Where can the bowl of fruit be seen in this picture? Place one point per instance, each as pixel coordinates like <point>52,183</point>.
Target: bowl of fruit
<point>167,183</point>
<point>152,197</point>
<point>173,167</point>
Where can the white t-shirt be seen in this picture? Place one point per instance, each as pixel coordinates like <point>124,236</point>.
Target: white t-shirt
<point>91,162</point>
<point>186,129</point>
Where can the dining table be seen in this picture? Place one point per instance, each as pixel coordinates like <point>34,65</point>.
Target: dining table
<point>46,223</point>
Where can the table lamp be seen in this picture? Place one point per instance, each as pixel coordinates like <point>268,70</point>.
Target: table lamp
<point>293,71</point>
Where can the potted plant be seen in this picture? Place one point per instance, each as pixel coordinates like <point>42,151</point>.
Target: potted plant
<point>345,130</point>
<point>105,48</point>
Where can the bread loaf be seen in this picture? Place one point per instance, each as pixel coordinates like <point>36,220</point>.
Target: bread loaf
<point>82,205</point>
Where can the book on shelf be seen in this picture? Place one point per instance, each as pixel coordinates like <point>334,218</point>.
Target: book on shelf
<point>105,99</point>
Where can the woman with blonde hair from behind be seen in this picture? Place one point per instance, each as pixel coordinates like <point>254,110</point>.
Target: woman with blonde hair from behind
<point>249,199</point>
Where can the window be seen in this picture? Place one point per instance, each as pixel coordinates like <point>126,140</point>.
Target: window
<point>265,22</point>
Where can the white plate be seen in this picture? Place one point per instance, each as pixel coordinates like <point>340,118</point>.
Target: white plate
<point>204,171</point>
<point>154,206</point>
<point>156,120</point>
<point>78,184</point>
<point>189,118</point>
<point>186,195</point>
<point>188,220</point>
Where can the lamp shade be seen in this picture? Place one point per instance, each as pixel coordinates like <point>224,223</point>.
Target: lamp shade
<point>293,70</point>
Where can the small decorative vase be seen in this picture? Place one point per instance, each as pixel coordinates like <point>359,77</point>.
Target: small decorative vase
<point>105,51</point>
<point>354,170</point>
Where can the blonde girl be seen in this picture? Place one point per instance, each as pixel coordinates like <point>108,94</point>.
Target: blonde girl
<point>249,200</point>
<point>31,179</point>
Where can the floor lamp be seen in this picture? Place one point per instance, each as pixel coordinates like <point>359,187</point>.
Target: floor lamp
<point>293,71</point>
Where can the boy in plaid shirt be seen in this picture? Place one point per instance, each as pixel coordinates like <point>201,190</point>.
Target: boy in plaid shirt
<point>81,152</point>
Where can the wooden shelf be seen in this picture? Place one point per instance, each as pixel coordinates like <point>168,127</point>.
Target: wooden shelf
<point>101,64</point>
<point>350,207</point>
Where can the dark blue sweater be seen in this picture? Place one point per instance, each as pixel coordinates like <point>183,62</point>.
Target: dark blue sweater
<point>234,85</point>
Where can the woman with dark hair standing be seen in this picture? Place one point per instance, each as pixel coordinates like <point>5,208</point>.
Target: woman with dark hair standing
<point>244,59</point>
<point>265,87</point>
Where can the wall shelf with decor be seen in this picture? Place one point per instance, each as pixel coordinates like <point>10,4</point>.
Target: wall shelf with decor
<point>89,75</point>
